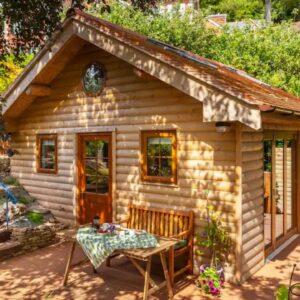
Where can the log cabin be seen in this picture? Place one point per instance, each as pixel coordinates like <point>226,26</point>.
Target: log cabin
<point>103,117</point>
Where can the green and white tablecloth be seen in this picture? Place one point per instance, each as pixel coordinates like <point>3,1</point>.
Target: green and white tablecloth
<point>98,247</point>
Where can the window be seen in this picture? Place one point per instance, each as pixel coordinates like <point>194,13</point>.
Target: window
<point>159,162</point>
<point>93,79</point>
<point>47,154</point>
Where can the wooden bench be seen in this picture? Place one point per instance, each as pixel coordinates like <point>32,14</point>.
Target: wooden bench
<point>166,223</point>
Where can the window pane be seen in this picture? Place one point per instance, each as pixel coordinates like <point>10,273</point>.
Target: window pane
<point>93,79</point>
<point>102,184</point>
<point>97,166</point>
<point>279,193</point>
<point>91,184</point>
<point>268,192</point>
<point>166,167</point>
<point>153,146</point>
<point>47,155</point>
<point>96,148</point>
<point>153,166</point>
<point>91,166</point>
<point>166,146</point>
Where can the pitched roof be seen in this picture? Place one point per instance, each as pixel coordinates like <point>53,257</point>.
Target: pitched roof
<point>233,82</point>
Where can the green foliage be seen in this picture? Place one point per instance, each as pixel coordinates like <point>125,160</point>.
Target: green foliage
<point>10,67</point>
<point>238,9</point>
<point>282,293</point>
<point>286,10</point>
<point>187,31</point>
<point>215,238</point>
<point>254,9</point>
<point>271,54</point>
<point>35,217</point>
<point>10,180</point>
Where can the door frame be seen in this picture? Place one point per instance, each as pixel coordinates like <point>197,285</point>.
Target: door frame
<point>79,168</point>
<point>273,135</point>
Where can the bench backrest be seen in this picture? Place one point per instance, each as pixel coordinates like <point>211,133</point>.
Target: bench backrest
<point>160,222</point>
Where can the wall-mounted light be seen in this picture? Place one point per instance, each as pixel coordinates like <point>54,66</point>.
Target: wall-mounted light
<point>222,127</point>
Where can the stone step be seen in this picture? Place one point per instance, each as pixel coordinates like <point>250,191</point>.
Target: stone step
<point>4,235</point>
<point>8,248</point>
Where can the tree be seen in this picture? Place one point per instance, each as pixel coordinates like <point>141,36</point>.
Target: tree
<point>33,21</point>
<point>268,10</point>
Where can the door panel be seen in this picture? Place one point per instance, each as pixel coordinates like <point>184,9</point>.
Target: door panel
<point>94,177</point>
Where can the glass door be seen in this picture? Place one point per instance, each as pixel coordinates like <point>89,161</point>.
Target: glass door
<point>94,177</point>
<point>279,188</point>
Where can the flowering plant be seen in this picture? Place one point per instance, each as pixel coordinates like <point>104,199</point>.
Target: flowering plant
<point>215,238</point>
<point>211,279</point>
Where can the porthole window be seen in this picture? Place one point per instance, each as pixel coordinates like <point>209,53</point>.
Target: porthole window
<point>93,79</point>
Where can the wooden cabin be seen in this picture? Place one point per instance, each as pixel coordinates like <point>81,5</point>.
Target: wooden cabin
<point>103,117</point>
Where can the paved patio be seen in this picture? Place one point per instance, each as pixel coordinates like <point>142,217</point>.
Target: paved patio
<point>38,275</point>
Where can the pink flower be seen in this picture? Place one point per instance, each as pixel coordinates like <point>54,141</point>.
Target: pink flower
<point>203,281</point>
<point>210,283</point>
<point>215,291</point>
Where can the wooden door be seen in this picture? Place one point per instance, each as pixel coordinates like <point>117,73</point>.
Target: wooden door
<point>94,177</point>
<point>280,189</point>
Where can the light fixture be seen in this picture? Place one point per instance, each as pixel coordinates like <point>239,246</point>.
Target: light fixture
<point>222,127</point>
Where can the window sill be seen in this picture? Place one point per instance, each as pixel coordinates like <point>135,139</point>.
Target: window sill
<point>47,173</point>
<point>170,185</point>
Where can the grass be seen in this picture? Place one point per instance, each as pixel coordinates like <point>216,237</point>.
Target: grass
<point>35,217</point>
<point>2,200</point>
<point>9,180</point>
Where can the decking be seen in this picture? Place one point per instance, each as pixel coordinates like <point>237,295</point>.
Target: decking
<point>38,275</point>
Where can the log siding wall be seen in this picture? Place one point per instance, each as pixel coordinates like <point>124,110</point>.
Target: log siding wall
<point>252,202</point>
<point>127,105</point>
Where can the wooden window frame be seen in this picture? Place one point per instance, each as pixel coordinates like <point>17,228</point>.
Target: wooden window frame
<point>158,179</point>
<point>39,139</point>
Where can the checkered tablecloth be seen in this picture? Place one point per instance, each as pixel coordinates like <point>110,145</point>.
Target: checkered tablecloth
<point>98,247</point>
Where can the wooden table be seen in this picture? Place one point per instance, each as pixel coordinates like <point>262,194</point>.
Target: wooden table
<point>135,255</point>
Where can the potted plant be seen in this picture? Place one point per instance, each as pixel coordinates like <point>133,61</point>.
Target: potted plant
<point>216,240</point>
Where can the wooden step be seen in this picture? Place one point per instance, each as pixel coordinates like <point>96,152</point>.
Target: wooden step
<point>8,249</point>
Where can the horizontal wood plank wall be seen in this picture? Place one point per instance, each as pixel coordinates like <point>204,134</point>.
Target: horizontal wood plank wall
<point>127,105</point>
<point>252,202</point>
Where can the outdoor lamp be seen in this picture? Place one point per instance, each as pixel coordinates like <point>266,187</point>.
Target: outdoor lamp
<point>222,127</point>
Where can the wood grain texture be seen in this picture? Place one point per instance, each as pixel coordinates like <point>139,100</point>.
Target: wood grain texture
<point>206,169</point>
<point>252,251</point>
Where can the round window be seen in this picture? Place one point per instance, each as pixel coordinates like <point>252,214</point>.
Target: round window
<point>93,79</point>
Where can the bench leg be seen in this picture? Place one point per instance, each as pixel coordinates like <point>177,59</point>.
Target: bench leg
<point>171,265</point>
<point>147,278</point>
<point>69,264</point>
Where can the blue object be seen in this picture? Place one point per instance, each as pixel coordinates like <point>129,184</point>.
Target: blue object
<point>8,195</point>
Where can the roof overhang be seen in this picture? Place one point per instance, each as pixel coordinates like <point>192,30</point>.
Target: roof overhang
<point>220,103</point>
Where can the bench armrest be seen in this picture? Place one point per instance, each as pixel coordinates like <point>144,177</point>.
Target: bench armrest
<point>187,232</point>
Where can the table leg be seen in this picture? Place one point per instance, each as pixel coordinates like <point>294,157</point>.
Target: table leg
<point>147,277</point>
<point>69,264</point>
<point>142,271</point>
<point>166,273</point>
<point>171,264</point>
